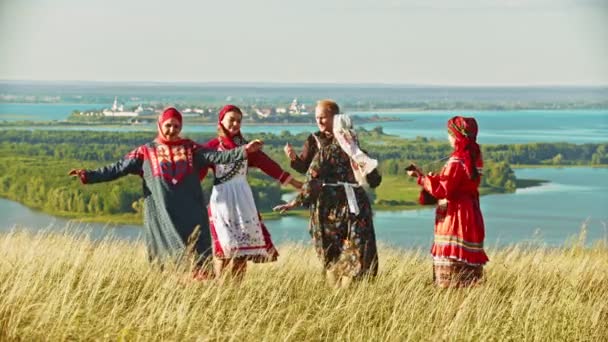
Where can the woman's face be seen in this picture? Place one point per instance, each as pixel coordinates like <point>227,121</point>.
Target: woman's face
<point>452,140</point>
<point>324,120</point>
<point>171,129</point>
<point>232,123</point>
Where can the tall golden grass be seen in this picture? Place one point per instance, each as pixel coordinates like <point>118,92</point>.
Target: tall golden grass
<point>66,287</point>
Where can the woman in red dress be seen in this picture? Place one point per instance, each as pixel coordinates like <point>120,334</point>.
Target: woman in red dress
<point>458,254</point>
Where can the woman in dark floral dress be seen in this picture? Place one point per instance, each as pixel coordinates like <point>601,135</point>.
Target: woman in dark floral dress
<point>341,222</point>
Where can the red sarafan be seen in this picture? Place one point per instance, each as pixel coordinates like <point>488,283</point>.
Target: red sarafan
<point>458,252</point>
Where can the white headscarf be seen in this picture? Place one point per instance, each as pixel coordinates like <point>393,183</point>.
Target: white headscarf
<point>347,138</point>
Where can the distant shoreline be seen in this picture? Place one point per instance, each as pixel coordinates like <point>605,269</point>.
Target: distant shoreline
<point>135,219</point>
<point>402,112</point>
<point>65,123</point>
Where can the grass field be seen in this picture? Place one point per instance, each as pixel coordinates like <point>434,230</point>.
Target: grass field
<point>64,287</point>
<point>398,188</point>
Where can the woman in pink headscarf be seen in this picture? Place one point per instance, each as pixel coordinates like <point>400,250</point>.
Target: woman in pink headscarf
<point>173,200</point>
<point>458,254</point>
<point>237,230</point>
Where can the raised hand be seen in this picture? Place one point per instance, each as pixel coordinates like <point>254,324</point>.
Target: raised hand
<point>282,208</point>
<point>413,171</point>
<point>254,146</point>
<point>289,152</point>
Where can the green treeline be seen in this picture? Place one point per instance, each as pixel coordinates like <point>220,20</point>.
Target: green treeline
<point>41,182</point>
<point>34,166</point>
<point>109,146</point>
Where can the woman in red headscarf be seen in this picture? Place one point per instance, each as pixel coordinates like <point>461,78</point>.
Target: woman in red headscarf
<point>173,200</point>
<point>237,230</point>
<point>458,254</point>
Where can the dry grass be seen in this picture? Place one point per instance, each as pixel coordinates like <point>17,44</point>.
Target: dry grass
<point>62,287</point>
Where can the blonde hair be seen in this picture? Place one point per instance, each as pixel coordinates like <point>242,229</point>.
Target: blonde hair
<point>329,106</point>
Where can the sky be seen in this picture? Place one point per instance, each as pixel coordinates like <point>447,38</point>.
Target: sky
<point>439,42</point>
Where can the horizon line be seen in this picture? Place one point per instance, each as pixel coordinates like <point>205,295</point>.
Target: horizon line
<point>285,83</point>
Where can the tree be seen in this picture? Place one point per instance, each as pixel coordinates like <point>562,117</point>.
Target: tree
<point>557,160</point>
<point>378,130</point>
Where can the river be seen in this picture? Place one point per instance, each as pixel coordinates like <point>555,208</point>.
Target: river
<point>495,127</point>
<point>548,214</point>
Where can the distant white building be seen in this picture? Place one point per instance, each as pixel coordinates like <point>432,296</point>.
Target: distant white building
<point>263,112</point>
<point>294,107</point>
<point>119,110</point>
<point>297,108</point>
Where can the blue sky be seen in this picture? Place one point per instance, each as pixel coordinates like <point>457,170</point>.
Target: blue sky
<point>468,42</point>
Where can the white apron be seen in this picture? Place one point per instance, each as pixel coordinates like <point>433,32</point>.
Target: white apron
<point>233,215</point>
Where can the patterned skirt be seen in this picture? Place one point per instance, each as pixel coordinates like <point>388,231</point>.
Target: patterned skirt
<point>237,230</point>
<point>452,273</point>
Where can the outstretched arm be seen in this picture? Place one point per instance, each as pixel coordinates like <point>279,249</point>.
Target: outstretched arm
<point>263,162</point>
<point>311,188</point>
<point>208,157</point>
<point>445,184</point>
<point>130,164</point>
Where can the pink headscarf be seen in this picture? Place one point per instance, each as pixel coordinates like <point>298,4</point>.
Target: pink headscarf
<point>464,130</point>
<point>169,113</point>
<point>229,142</point>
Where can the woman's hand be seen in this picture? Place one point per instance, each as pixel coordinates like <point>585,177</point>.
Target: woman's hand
<point>284,207</point>
<point>254,146</point>
<point>79,173</point>
<point>296,183</point>
<point>75,172</point>
<point>289,152</point>
<point>413,171</point>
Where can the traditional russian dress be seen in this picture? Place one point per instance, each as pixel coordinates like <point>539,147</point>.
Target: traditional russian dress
<point>344,238</point>
<point>237,229</point>
<point>458,253</point>
<point>173,199</point>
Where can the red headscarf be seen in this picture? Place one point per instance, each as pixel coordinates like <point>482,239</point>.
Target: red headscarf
<point>229,142</point>
<point>464,130</point>
<point>169,113</point>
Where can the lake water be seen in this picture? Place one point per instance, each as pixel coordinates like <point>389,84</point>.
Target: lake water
<point>548,214</point>
<point>43,111</point>
<point>496,127</point>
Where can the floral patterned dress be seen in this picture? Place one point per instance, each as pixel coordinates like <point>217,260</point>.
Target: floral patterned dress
<point>345,241</point>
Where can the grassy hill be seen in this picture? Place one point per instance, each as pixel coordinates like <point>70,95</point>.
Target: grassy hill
<point>66,287</point>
